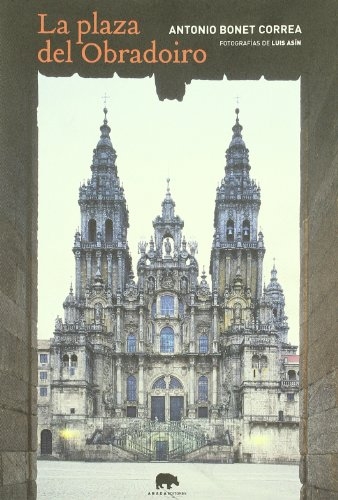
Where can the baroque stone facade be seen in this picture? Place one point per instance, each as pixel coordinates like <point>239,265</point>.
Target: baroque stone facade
<point>165,366</point>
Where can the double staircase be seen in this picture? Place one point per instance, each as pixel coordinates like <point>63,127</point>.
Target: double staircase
<point>150,440</point>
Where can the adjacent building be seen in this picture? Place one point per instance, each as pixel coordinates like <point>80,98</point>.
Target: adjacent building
<point>164,365</point>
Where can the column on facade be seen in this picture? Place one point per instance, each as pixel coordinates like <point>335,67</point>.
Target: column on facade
<point>141,382</point>
<point>191,389</point>
<point>192,326</point>
<point>98,370</point>
<point>98,261</point>
<point>228,269</point>
<point>118,383</point>
<point>214,381</point>
<point>89,267</point>
<point>109,269</point>
<point>239,260</point>
<point>215,268</point>
<point>248,269</point>
<point>215,324</point>
<point>141,325</point>
<point>260,273</point>
<point>118,325</point>
<point>77,274</point>
<point>119,270</point>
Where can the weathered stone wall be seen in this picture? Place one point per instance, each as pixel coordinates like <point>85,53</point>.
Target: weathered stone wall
<point>318,342</point>
<point>18,265</point>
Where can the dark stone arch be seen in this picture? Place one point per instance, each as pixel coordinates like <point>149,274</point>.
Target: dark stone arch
<point>319,179</point>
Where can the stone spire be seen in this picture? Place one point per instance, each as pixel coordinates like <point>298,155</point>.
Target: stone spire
<point>104,153</point>
<point>237,154</point>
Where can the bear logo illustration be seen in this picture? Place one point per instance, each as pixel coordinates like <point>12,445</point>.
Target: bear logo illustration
<point>167,479</point>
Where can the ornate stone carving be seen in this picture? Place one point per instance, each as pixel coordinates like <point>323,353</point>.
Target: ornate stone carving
<point>167,280</point>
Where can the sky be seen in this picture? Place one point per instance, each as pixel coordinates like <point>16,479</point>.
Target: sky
<point>185,141</point>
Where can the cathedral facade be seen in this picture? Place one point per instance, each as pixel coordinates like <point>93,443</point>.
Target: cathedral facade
<point>162,365</point>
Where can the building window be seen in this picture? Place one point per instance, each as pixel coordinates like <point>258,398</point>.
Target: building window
<point>264,362</point>
<point>203,388</point>
<point>92,230</point>
<point>246,230</point>
<point>290,397</point>
<point>203,344</point>
<point>255,361</point>
<point>109,231</point>
<point>167,305</point>
<point>131,411</point>
<point>292,375</point>
<point>202,412</point>
<point>65,361</point>
<point>73,361</point>
<point>131,343</point>
<point>43,358</point>
<point>280,416</point>
<point>159,383</point>
<point>43,391</point>
<point>167,340</point>
<point>72,411</point>
<point>230,230</point>
<point>175,383</point>
<point>131,388</point>
<point>43,375</point>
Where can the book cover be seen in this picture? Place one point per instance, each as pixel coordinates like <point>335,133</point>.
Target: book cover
<point>169,331</point>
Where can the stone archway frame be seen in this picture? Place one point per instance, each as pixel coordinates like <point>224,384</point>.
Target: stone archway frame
<point>315,63</point>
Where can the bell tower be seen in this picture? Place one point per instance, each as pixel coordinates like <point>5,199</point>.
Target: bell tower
<point>101,249</point>
<point>238,247</point>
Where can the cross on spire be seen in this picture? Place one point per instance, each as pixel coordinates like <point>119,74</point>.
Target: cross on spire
<point>105,97</point>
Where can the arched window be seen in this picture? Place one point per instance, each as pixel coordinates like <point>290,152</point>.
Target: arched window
<point>264,362</point>
<point>203,344</point>
<point>292,375</point>
<point>73,361</point>
<point>109,230</point>
<point>65,361</point>
<point>92,230</point>
<point>203,388</point>
<point>46,442</point>
<point>167,340</point>
<point>159,383</point>
<point>246,230</point>
<point>131,388</point>
<point>167,305</point>
<point>131,343</point>
<point>255,361</point>
<point>175,383</point>
<point>230,230</point>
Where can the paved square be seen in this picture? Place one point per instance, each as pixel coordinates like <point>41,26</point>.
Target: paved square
<point>103,481</point>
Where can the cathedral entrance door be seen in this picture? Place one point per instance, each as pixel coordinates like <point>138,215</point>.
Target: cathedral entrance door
<point>162,449</point>
<point>46,442</point>
<point>158,408</point>
<point>176,407</point>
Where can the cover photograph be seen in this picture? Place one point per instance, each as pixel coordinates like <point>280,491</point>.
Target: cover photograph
<point>167,257</point>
